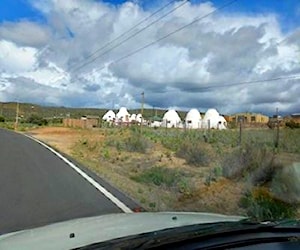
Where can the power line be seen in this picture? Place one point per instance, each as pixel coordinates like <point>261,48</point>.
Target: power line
<point>72,68</point>
<point>130,37</point>
<point>252,82</point>
<point>169,34</point>
<point>127,31</point>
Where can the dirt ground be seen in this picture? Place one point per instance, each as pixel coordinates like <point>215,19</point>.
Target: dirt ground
<point>60,138</point>
<point>220,196</point>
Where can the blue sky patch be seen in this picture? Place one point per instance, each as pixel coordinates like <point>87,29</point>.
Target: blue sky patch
<point>15,10</point>
<point>288,11</point>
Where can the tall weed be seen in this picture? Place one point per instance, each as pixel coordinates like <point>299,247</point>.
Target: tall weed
<point>260,205</point>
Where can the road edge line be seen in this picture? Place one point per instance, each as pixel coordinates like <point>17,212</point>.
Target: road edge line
<point>100,188</point>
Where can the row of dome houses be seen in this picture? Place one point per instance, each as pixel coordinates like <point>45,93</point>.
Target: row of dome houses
<point>193,120</point>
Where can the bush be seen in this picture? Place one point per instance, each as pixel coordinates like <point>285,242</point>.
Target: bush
<point>260,205</point>
<point>7,125</point>
<point>172,142</point>
<point>292,124</point>
<point>57,120</point>
<point>255,162</point>
<point>159,176</point>
<point>194,153</point>
<point>286,184</point>
<point>38,120</point>
<point>136,143</point>
<point>264,174</point>
<point>2,119</point>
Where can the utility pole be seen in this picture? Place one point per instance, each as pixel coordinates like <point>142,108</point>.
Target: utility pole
<point>112,105</point>
<point>277,129</point>
<point>240,137</point>
<point>143,101</point>
<point>142,109</point>
<point>17,116</point>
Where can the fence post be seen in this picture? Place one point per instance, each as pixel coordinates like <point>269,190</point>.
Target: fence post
<point>277,129</point>
<point>240,135</point>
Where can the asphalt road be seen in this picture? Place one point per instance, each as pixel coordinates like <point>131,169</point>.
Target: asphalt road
<point>38,188</point>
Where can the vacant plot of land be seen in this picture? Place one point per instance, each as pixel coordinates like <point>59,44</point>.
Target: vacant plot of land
<point>180,170</point>
<point>61,138</point>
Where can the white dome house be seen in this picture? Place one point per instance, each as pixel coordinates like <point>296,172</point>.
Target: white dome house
<point>123,115</point>
<point>171,119</point>
<point>212,119</point>
<point>132,118</point>
<point>193,119</point>
<point>109,116</point>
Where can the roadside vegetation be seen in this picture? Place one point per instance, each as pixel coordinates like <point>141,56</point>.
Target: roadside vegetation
<point>32,122</point>
<point>207,171</point>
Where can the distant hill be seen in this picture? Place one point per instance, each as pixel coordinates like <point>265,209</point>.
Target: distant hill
<point>8,110</point>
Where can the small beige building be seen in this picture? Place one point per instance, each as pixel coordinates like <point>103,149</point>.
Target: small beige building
<point>84,122</point>
<point>249,118</point>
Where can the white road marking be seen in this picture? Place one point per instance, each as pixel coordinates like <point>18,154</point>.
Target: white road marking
<point>110,196</point>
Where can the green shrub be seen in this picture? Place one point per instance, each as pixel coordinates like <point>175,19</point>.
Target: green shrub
<point>105,153</point>
<point>159,176</point>
<point>56,120</point>
<point>172,142</point>
<point>194,153</point>
<point>38,120</point>
<point>136,143</point>
<point>184,186</point>
<point>7,125</point>
<point>260,205</point>
<point>222,137</point>
<point>2,119</point>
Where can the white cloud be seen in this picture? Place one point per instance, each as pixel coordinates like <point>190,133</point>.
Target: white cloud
<point>221,49</point>
<point>286,59</point>
<point>25,33</point>
<point>14,59</point>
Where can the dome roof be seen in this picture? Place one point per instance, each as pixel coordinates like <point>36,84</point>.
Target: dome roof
<point>222,119</point>
<point>109,115</point>
<point>122,113</point>
<point>213,119</point>
<point>171,115</point>
<point>193,114</point>
<point>211,113</point>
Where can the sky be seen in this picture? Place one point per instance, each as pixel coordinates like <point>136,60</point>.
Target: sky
<point>88,53</point>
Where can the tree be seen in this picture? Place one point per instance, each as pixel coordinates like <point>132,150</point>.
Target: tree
<point>38,120</point>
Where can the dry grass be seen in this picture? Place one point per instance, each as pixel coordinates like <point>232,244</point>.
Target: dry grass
<point>119,167</point>
<point>61,138</point>
<point>194,189</point>
<point>222,196</point>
